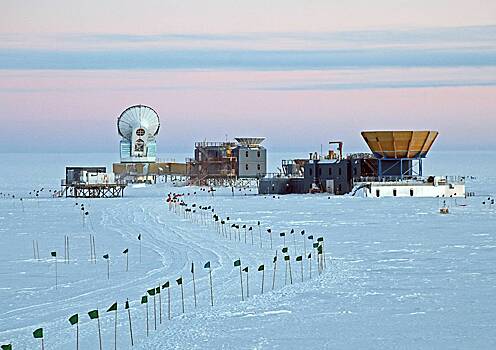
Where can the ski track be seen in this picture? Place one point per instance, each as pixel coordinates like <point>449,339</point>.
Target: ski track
<point>379,268</point>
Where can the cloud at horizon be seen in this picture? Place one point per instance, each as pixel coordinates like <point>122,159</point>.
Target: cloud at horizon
<point>65,90</point>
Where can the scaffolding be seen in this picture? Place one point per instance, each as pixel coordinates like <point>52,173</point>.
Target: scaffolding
<point>214,164</point>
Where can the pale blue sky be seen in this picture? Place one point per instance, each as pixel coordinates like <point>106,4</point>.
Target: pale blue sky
<point>328,69</point>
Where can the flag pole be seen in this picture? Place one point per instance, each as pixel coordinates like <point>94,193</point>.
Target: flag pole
<point>247,284</point>
<point>286,272</point>
<point>263,278</point>
<point>211,288</point>
<point>182,296</point>
<point>155,312</point>
<point>115,331</point>
<point>42,344</point>
<point>99,333</point>
<point>91,248</point>
<point>130,326</point>
<point>94,249</point>
<point>310,264</point>
<point>56,272</point>
<point>302,270</point>
<point>274,272</point>
<point>77,335</point>
<point>304,244</point>
<point>290,274</point>
<point>147,319</point>
<point>160,306</point>
<point>194,284</point>
<point>169,302</point>
<point>241,279</point>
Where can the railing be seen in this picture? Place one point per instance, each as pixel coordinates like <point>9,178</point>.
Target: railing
<point>414,179</point>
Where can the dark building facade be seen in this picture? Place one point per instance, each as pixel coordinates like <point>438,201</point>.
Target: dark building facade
<point>334,176</point>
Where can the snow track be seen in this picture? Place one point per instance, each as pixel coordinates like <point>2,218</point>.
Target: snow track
<point>400,273</point>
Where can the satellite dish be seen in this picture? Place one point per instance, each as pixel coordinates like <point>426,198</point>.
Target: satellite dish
<point>138,116</point>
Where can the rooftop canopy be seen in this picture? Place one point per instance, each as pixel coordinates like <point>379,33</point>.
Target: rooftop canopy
<point>399,144</point>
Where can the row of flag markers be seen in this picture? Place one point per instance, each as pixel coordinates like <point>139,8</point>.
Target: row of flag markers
<point>221,227</point>
<point>318,246</point>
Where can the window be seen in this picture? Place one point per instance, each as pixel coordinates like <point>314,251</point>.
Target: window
<point>377,193</point>
<point>310,171</point>
<point>258,154</point>
<point>246,166</point>
<point>354,171</point>
<point>140,132</point>
<point>246,154</point>
<point>259,167</point>
<point>139,145</point>
<point>320,171</point>
<point>339,171</point>
<point>330,171</point>
<point>339,188</point>
<point>394,193</point>
<point>411,192</point>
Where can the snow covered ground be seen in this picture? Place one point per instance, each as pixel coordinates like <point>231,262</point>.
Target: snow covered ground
<point>399,274</point>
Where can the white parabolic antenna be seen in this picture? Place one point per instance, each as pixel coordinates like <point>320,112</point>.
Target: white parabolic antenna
<point>135,117</point>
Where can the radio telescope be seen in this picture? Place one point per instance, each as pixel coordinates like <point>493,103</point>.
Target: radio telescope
<point>138,125</point>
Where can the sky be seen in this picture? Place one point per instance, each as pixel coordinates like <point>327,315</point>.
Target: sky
<point>300,73</point>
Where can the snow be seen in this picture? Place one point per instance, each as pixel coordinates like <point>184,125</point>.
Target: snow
<point>399,274</point>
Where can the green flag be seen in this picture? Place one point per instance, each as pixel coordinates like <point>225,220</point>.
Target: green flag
<point>112,307</point>
<point>165,285</point>
<point>302,232</point>
<point>319,249</point>
<point>93,314</point>
<point>292,231</point>
<point>179,281</point>
<point>139,237</point>
<point>269,230</point>
<point>299,258</point>
<point>320,239</point>
<point>310,237</point>
<point>157,290</point>
<point>315,245</point>
<point>74,319</point>
<point>275,259</point>
<point>127,305</point>
<point>310,255</point>
<point>6,347</point>
<point>285,249</point>
<point>237,263</point>
<point>53,254</point>
<point>282,234</point>
<point>207,265</point>
<point>261,268</point>
<point>245,269</point>
<point>286,257</point>
<point>106,256</point>
<point>125,251</point>
<point>144,299</point>
<point>192,267</point>
<point>251,228</point>
<point>151,291</point>
<point>38,334</point>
